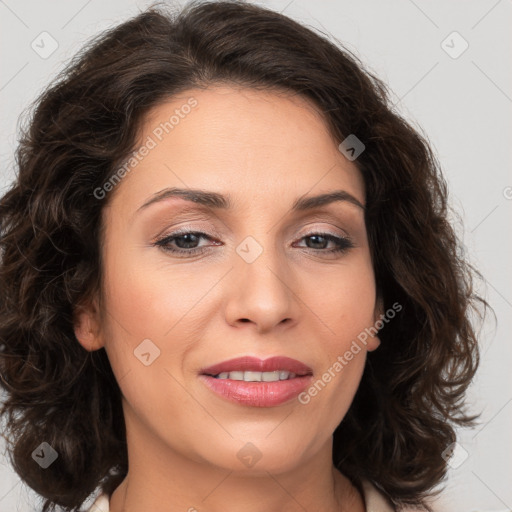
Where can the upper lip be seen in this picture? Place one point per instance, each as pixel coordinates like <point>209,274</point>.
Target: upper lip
<point>249,363</point>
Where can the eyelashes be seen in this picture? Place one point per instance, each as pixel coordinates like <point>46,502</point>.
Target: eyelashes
<point>342,244</point>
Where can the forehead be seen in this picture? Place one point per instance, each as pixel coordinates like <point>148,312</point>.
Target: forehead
<point>241,141</point>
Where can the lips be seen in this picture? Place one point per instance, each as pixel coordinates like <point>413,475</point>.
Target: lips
<point>253,364</point>
<point>254,382</point>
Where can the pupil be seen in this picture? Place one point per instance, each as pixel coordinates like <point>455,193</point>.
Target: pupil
<point>313,237</point>
<point>188,235</point>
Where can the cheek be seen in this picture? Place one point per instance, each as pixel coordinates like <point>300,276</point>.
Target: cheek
<point>346,306</point>
<point>344,301</point>
<point>146,299</point>
<point>152,317</point>
<point>134,318</point>
<point>141,309</point>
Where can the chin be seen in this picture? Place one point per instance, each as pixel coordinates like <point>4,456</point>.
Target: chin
<point>258,457</point>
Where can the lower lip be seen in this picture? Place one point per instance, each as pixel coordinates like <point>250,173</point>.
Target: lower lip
<point>257,394</point>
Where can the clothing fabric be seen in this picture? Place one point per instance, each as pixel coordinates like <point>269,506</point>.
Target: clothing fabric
<point>375,501</point>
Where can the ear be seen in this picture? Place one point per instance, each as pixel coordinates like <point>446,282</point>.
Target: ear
<point>374,341</point>
<point>87,326</point>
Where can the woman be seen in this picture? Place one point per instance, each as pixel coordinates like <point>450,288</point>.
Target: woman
<point>228,279</point>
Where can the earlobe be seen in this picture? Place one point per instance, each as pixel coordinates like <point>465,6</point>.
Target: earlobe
<point>86,327</point>
<point>374,342</point>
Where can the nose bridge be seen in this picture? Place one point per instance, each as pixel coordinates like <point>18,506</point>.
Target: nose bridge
<point>263,293</point>
<point>260,260</point>
<point>257,224</point>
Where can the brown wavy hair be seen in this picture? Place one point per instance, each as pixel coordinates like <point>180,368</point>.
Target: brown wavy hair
<point>412,394</point>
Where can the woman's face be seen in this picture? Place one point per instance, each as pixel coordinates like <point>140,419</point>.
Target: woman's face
<point>258,279</point>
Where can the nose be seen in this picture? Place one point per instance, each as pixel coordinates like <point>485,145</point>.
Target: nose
<point>261,290</point>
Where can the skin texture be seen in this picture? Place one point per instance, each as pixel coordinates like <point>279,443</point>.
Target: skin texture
<point>265,149</point>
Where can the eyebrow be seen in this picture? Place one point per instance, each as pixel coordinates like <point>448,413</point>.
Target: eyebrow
<point>218,201</point>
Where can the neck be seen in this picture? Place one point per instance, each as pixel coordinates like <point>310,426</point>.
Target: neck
<point>159,474</point>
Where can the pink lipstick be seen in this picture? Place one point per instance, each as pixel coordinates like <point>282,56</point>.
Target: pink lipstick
<point>256,382</point>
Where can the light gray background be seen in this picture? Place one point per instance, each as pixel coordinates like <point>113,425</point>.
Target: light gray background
<point>463,104</point>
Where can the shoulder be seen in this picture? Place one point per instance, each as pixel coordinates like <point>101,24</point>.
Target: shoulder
<point>375,501</point>
<point>101,504</point>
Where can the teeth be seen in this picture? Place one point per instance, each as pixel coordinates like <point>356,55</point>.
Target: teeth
<point>257,376</point>
<point>253,376</point>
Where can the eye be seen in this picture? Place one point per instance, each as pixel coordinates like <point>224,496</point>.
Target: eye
<point>184,240</point>
<point>186,243</point>
<point>342,244</point>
